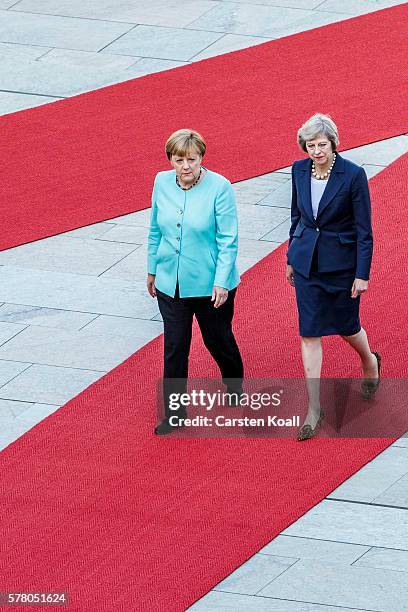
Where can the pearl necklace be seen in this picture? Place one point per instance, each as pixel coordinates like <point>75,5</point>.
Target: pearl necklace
<point>326,174</point>
<point>187,188</point>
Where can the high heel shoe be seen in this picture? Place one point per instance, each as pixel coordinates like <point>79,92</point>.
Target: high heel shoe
<point>307,431</point>
<point>369,386</point>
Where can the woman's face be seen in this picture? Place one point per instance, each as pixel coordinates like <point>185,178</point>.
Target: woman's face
<point>320,150</point>
<point>187,167</point>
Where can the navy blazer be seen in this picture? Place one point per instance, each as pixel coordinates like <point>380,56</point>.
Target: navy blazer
<point>341,232</point>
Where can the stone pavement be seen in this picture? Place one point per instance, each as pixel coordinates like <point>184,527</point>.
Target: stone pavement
<point>73,306</point>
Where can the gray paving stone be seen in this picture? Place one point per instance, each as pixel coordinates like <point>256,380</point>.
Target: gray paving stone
<point>320,550</point>
<point>354,523</point>
<point>255,221</point>
<point>44,317</point>
<point>55,80</point>
<point>379,153</point>
<point>255,191</point>
<point>16,418</point>
<point>255,574</point>
<point>140,218</point>
<point>132,268</point>
<point>385,558</point>
<point>50,31</point>
<point>21,52</point>
<point>63,254</point>
<point>149,65</point>
<point>266,21</point>
<point>252,251</point>
<point>280,233</point>
<point>228,43</point>
<point>356,7</point>
<point>139,329</point>
<point>342,585</point>
<point>397,493</point>
<point>48,384</point>
<point>216,601</point>
<point>10,369</point>
<point>372,170</point>
<point>166,43</point>
<point>5,4</point>
<point>373,481</point>
<point>303,4</point>
<point>90,231</point>
<point>131,234</point>
<point>154,12</point>
<point>402,442</point>
<point>10,410</point>
<point>87,59</point>
<point>9,330</point>
<point>11,428</point>
<point>264,183</point>
<point>76,292</point>
<point>35,413</point>
<point>74,349</point>
<point>13,102</point>
<point>280,197</point>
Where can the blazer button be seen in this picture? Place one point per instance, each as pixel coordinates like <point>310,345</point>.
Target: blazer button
<point>317,229</point>
<point>178,224</point>
<point>177,251</point>
<point>178,238</point>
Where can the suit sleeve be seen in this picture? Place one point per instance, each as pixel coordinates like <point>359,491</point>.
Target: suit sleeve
<point>362,217</point>
<point>226,234</point>
<point>294,210</point>
<point>155,235</point>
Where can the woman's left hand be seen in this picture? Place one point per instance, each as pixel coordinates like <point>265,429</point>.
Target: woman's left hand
<point>359,286</point>
<point>219,296</point>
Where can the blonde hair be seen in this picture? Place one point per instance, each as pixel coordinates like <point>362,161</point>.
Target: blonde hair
<point>316,125</point>
<point>183,141</point>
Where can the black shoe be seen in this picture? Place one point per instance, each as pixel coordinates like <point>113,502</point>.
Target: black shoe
<point>165,427</point>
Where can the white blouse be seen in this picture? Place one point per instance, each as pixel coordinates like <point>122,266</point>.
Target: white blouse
<point>317,188</point>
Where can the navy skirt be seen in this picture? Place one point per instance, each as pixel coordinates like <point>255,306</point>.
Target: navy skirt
<point>325,304</point>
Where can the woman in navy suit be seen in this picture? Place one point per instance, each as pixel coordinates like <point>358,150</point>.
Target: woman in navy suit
<point>329,256</point>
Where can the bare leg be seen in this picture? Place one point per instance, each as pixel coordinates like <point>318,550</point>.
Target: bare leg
<point>312,356</point>
<point>359,342</point>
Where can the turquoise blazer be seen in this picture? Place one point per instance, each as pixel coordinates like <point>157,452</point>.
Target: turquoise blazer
<point>193,235</point>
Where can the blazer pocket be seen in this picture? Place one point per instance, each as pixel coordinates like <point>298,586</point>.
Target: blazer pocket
<point>298,231</point>
<point>347,237</point>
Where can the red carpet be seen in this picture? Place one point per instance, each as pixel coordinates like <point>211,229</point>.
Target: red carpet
<point>93,157</point>
<point>94,504</point>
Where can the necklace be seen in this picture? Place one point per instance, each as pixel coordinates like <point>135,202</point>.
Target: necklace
<point>191,186</point>
<point>326,174</point>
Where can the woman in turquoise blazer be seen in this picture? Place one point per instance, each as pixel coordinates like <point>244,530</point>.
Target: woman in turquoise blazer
<point>192,251</point>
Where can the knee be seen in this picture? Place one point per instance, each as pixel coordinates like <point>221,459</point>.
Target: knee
<point>310,342</point>
<point>211,343</point>
<point>175,346</point>
<point>353,336</point>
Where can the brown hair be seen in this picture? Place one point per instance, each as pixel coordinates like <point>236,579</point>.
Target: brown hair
<point>183,141</point>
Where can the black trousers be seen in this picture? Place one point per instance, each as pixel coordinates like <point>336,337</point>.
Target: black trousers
<point>216,329</point>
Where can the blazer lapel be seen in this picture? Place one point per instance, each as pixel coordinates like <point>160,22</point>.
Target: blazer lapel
<point>305,190</point>
<point>333,185</point>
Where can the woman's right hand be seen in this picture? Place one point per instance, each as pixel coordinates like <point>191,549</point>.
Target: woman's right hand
<point>151,278</point>
<point>289,275</point>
